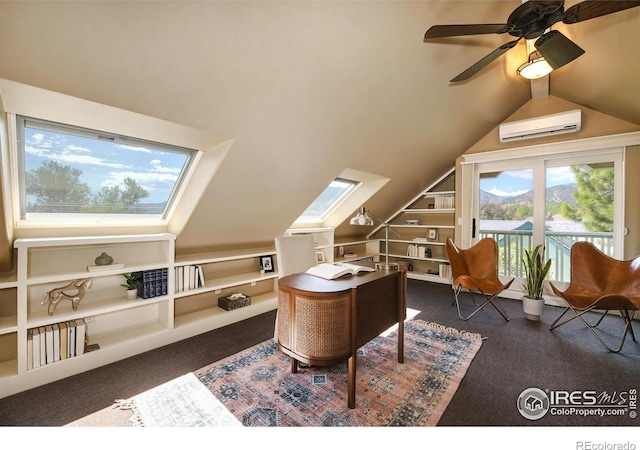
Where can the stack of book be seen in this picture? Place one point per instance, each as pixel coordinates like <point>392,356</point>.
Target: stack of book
<point>153,283</point>
<point>444,270</point>
<point>417,251</point>
<point>445,202</point>
<point>188,277</point>
<point>51,343</point>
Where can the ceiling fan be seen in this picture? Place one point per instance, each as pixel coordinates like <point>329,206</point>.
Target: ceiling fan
<point>530,21</point>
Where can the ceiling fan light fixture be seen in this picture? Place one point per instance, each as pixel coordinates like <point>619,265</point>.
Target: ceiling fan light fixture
<point>536,67</point>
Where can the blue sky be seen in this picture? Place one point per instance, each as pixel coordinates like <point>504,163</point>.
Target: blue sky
<point>105,163</point>
<point>516,182</point>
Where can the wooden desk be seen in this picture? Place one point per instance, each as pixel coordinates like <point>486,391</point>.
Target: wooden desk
<point>323,322</point>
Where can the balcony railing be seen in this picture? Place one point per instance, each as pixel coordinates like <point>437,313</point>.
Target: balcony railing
<point>557,247</point>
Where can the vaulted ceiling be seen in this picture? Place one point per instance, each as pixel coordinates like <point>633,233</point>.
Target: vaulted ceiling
<point>306,88</point>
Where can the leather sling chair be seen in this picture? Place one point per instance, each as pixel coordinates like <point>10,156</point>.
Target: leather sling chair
<point>475,271</point>
<point>599,282</point>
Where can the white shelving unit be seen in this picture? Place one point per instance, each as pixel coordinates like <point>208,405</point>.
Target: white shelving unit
<point>341,250</point>
<point>346,250</point>
<point>225,273</point>
<point>121,327</point>
<point>322,238</point>
<point>8,327</point>
<point>423,225</point>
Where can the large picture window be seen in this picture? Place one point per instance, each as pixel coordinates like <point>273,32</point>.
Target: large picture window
<point>68,173</point>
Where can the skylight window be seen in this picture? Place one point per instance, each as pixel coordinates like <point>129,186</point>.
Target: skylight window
<point>69,173</point>
<point>337,191</point>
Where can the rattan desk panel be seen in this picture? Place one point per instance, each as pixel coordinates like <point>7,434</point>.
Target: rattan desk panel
<point>323,322</point>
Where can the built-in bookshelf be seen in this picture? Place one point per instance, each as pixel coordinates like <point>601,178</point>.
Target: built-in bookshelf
<point>419,230</point>
<point>169,306</point>
<point>249,272</point>
<point>109,326</point>
<point>8,327</point>
<point>329,249</point>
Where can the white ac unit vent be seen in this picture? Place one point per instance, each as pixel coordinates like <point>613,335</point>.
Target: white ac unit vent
<point>564,122</point>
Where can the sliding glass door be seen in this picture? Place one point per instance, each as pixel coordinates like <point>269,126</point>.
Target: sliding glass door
<point>506,213</point>
<point>552,201</point>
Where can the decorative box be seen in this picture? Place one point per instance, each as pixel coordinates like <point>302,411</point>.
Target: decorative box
<point>229,304</point>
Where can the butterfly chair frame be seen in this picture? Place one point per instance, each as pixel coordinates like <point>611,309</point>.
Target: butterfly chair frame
<point>475,271</point>
<point>599,282</point>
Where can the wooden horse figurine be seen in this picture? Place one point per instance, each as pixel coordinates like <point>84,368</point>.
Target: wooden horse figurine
<point>77,289</point>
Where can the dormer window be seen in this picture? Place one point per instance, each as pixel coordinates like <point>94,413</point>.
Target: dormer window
<point>333,195</point>
<point>72,174</point>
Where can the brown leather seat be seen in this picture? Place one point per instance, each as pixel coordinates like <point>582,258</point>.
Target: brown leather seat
<point>602,283</point>
<point>475,270</point>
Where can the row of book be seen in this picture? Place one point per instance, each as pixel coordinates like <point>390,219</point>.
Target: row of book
<point>418,251</point>
<point>51,343</point>
<point>188,277</point>
<point>444,202</point>
<point>153,283</point>
<point>444,270</point>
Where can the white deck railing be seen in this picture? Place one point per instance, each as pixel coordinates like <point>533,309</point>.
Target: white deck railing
<point>557,247</point>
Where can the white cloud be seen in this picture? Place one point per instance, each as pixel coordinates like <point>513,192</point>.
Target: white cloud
<point>496,191</point>
<point>85,159</point>
<point>39,151</point>
<point>560,175</point>
<point>76,148</point>
<point>158,167</point>
<point>71,157</point>
<point>525,174</point>
<point>134,148</point>
<point>150,181</point>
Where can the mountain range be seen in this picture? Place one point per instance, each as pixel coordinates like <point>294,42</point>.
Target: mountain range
<point>557,194</point>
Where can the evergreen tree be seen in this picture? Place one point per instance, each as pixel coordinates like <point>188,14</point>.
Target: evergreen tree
<point>594,198</point>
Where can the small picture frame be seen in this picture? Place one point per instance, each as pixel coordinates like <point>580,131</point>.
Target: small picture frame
<point>266,264</point>
<point>432,234</point>
<point>320,257</point>
<point>431,206</point>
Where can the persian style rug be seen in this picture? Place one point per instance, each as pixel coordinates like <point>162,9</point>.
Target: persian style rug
<point>258,388</point>
<point>181,402</point>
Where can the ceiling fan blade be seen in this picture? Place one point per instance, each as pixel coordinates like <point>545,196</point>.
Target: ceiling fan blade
<point>439,31</point>
<point>591,9</point>
<point>557,49</point>
<point>484,62</point>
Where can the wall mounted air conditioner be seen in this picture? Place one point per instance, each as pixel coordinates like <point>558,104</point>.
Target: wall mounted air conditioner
<point>564,122</point>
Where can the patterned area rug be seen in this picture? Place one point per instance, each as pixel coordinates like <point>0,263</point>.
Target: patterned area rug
<point>258,388</point>
<point>182,402</point>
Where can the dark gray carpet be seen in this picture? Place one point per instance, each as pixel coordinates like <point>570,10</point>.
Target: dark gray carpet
<point>515,355</point>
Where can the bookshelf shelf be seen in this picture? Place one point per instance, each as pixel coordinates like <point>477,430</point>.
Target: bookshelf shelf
<point>64,312</point>
<point>120,327</point>
<point>8,324</point>
<point>227,282</point>
<point>8,368</point>
<point>215,317</point>
<point>424,225</point>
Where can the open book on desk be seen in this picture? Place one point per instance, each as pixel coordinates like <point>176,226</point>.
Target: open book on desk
<point>337,270</point>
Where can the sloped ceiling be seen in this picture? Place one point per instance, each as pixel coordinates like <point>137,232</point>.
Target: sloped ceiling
<point>306,89</point>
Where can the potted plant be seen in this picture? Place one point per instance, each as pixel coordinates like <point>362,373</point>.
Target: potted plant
<point>536,270</point>
<point>131,285</point>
